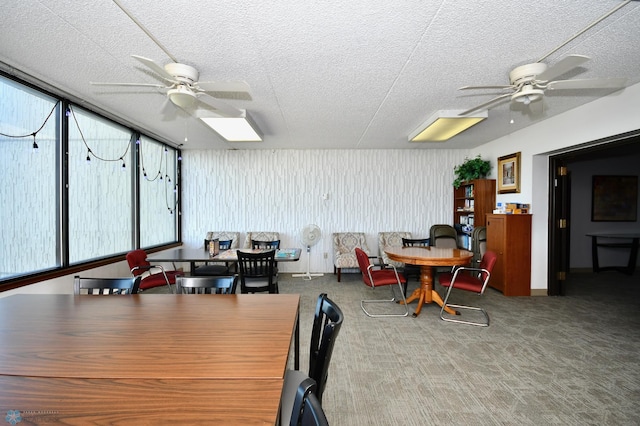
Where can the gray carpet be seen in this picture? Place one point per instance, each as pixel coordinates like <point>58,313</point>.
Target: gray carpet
<point>571,360</point>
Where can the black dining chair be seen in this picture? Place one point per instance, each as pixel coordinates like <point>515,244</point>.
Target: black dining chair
<point>307,409</point>
<point>215,268</point>
<point>413,270</point>
<point>207,284</point>
<point>256,271</point>
<point>327,322</point>
<point>106,286</point>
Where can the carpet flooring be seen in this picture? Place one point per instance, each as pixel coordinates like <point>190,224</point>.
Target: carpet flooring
<point>566,360</point>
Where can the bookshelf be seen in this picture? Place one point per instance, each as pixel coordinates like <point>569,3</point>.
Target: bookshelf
<point>473,201</point>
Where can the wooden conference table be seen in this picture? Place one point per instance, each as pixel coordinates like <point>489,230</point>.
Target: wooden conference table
<point>427,258</point>
<point>145,359</point>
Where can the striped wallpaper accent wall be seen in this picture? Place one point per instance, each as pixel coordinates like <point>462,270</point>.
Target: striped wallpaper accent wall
<point>282,190</point>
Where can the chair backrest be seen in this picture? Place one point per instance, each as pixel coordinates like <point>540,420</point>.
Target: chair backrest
<point>346,242</point>
<point>363,264</point>
<point>105,286</point>
<point>478,243</point>
<point>137,259</point>
<point>234,237</point>
<point>265,245</point>
<point>260,236</point>
<point>488,262</point>
<point>306,387</point>
<point>326,326</point>
<point>444,236</point>
<point>222,244</point>
<point>206,284</point>
<point>256,268</point>
<point>415,242</point>
<point>312,412</point>
<point>390,239</point>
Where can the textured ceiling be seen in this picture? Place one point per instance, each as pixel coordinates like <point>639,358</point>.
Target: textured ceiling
<point>325,74</point>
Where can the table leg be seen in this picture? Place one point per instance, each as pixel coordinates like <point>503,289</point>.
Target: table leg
<point>296,344</point>
<point>426,293</point>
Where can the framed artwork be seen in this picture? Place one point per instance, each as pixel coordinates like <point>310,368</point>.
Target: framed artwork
<point>509,173</point>
<point>614,199</point>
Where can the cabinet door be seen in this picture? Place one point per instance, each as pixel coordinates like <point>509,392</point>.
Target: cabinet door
<point>496,228</point>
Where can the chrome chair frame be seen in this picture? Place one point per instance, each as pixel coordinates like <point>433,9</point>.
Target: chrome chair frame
<point>370,273</point>
<point>457,271</point>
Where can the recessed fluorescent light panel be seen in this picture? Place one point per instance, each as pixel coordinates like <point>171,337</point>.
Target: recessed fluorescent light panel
<point>445,124</point>
<point>234,129</point>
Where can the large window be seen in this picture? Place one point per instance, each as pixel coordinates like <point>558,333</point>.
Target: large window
<point>71,191</point>
<point>100,188</point>
<point>158,193</point>
<point>30,180</point>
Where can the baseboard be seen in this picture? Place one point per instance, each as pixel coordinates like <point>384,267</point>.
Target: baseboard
<point>539,292</point>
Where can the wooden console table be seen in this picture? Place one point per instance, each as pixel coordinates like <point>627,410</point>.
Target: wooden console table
<point>633,245</point>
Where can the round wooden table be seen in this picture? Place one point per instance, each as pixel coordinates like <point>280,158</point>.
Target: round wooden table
<point>427,258</point>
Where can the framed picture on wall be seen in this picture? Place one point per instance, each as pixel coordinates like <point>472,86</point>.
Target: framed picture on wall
<point>614,199</point>
<point>509,173</point>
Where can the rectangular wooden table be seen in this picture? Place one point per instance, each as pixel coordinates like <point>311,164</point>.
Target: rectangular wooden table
<point>145,359</point>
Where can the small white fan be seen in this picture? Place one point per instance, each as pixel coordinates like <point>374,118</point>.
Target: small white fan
<point>309,236</point>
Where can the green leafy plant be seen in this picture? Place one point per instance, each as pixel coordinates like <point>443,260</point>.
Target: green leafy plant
<point>472,168</point>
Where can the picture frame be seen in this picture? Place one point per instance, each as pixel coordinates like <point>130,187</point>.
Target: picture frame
<point>614,198</point>
<point>509,173</point>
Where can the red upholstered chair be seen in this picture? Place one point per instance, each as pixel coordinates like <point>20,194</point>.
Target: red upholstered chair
<point>374,276</point>
<point>468,279</point>
<point>139,265</point>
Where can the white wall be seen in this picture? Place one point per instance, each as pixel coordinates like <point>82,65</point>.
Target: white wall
<point>607,116</point>
<point>368,191</point>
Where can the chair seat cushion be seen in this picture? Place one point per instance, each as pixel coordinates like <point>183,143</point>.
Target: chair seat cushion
<point>384,277</point>
<point>157,280</point>
<point>346,260</point>
<point>464,281</point>
<point>211,270</point>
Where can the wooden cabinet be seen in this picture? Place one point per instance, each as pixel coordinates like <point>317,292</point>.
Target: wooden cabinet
<point>477,197</point>
<point>509,236</point>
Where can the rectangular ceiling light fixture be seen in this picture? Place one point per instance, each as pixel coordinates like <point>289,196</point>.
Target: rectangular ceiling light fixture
<point>445,124</point>
<point>234,129</point>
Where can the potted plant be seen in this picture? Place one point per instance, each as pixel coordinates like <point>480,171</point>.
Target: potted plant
<point>472,168</point>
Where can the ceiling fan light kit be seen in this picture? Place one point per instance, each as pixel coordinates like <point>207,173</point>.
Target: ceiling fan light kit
<point>182,97</point>
<point>445,124</point>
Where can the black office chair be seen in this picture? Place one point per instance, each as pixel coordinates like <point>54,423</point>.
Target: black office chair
<point>106,286</point>
<point>256,272</point>
<point>307,410</point>
<point>413,270</point>
<point>207,285</point>
<point>444,236</point>
<point>326,326</point>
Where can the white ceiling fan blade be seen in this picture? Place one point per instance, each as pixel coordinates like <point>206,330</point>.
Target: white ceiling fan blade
<point>220,107</point>
<point>587,83</point>
<point>149,63</point>
<point>161,86</point>
<point>488,104</point>
<point>486,87</point>
<point>562,66</point>
<point>238,90</point>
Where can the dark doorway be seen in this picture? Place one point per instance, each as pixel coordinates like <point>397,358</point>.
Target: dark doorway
<point>560,199</point>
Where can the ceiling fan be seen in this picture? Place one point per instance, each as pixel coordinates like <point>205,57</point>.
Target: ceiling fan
<point>185,91</point>
<point>529,82</point>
